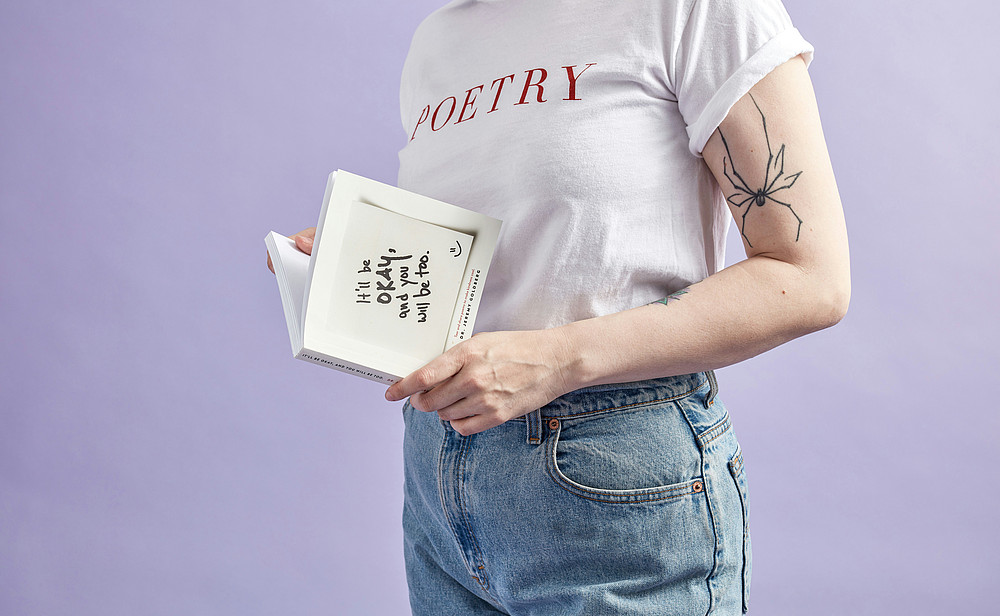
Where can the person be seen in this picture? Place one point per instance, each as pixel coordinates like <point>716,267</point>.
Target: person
<point>572,457</point>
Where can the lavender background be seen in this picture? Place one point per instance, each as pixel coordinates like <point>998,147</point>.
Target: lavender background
<point>160,453</point>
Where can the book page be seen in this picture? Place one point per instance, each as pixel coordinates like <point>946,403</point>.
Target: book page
<point>396,281</point>
<point>291,267</point>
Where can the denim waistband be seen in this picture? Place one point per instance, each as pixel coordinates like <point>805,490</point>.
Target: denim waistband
<point>612,396</point>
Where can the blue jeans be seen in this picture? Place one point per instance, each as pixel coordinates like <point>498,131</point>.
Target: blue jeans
<point>617,499</point>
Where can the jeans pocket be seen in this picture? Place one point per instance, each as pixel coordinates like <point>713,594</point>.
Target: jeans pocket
<point>637,455</point>
<point>739,476</point>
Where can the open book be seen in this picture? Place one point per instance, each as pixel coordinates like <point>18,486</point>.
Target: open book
<point>394,279</point>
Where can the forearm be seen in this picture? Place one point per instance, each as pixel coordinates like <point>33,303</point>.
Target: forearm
<point>769,158</point>
<point>738,313</point>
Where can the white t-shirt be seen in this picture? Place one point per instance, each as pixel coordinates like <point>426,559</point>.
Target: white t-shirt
<point>580,124</point>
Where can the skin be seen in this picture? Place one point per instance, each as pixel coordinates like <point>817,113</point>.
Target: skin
<point>795,280</point>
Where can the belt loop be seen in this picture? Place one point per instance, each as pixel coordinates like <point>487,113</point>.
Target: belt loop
<point>713,386</point>
<point>534,422</point>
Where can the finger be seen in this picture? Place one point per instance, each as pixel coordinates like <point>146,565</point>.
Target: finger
<point>475,424</point>
<point>434,373</point>
<point>304,242</point>
<point>464,408</point>
<point>270,265</point>
<point>443,395</point>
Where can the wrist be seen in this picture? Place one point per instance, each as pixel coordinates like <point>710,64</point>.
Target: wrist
<point>571,358</point>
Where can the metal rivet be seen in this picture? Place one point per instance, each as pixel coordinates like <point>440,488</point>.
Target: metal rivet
<point>553,424</point>
<point>698,486</point>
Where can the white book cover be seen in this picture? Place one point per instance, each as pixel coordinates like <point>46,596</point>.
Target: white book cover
<point>393,281</point>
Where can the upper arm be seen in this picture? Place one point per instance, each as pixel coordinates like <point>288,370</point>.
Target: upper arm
<point>770,159</point>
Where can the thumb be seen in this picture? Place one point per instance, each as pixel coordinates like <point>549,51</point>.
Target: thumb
<point>304,243</point>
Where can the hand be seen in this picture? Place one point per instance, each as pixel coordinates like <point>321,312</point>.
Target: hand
<point>489,379</point>
<point>303,241</point>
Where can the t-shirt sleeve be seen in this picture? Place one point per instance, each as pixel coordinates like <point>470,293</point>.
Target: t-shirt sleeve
<point>723,49</point>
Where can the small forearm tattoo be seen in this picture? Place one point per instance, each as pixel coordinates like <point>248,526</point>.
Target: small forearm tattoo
<point>775,181</point>
<point>673,297</point>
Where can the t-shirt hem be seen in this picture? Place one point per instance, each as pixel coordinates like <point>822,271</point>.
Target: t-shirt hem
<point>776,52</point>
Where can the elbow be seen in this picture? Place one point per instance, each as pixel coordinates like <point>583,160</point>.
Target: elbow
<point>832,302</point>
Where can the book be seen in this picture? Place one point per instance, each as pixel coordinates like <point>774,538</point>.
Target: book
<point>394,279</point>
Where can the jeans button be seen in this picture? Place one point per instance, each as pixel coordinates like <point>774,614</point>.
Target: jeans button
<point>553,424</point>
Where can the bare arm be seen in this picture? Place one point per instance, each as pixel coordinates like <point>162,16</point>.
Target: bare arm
<point>770,160</point>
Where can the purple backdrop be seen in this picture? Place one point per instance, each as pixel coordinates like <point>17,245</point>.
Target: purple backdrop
<point>160,453</point>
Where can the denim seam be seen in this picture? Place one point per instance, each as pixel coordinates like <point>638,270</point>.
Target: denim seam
<point>534,427</point>
<point>624,499</point>
<point>735,470</point>
<point>479,563</point>
<point>715,431</point>
<point>628,406</point>
<point>441,497</point>
<point>713,388</point>
<point>615,497</point>
<point>737,461</point>
<point>444,505</point>
<point>708,503</point>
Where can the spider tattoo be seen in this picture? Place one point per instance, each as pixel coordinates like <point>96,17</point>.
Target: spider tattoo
<point>746,196</point>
